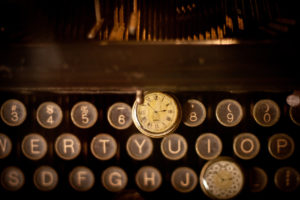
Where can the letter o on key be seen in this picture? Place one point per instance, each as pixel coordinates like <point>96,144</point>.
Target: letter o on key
<point>114,179</point>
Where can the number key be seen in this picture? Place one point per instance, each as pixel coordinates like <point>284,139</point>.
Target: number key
<point>13,112</point>
<point>49,115</point>
<point>119,115</point>
<point>229,112</point>
<point>194,113</point>
<point>84,114</point>
<point>266,112</point>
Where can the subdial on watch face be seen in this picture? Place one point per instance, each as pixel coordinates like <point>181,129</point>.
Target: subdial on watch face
<point>159,114</point>
<point>221,178</point>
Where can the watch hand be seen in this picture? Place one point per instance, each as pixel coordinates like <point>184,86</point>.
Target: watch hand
<point>222,179</point>
<point>151,107</point>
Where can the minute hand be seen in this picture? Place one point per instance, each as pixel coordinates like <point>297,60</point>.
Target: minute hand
<point>151,107</point>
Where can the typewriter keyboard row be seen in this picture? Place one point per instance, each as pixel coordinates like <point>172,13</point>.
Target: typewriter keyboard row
<point>92,142</point>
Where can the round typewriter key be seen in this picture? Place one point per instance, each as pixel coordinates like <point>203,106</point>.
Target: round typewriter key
<point>139,146</point>
<point>67,146</point>
<point>45,178</point>
<point>208,146</point>
<point>12,178</point>
<point>119,116</point>
<point>287,179</point>
<point>81,178</point>
<point>258,179</point>
<point>229,112</point>
<point>281,146</point>
<point>34,146</point>
<point>266,112</point>
<point>84,114</point>
<point>104,146</point>
<point>184,179</point>
<point>114,179</point>
<point>5,146</point>
<point>246,146</point>
<point>49,115</point>
<point>148,178</point>
<point>295,114</point>
<point>174,146</point>
<point>13,112</point>
<point>194,113</point>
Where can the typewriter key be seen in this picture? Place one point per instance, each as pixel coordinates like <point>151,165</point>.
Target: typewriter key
<point>229,112</point>
<point>34,146</point>
<point>295,115</point>
<point>287,179</point>
<point>45,178</point>
<point>119,116</point>
<point>12,178</point>
<point>246,146</point>
<point>84,114</point>
<point>194,113</point>
<point>174,147</point>
<point>5,146</point>
<point>184,179</point>
<point>81,178</point>
<point>67,146</point>
<point>13,112</point>
<point>258,179</point>
<point>281,146</point>
<point>266,112</point>
<point>49,115</point>
<point>139,146</point>
<point>208,146</point>
<point>114,179</point>
<point>104,146</point>
<point>148,179</point>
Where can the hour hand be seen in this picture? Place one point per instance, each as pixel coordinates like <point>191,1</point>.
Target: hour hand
<point>151,107</point>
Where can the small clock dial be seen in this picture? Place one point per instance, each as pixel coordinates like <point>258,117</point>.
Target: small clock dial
<point>221,178</point>
<point>159,114</point>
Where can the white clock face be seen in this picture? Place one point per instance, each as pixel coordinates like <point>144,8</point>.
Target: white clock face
<point>159,114</point>
<point>221,179</point>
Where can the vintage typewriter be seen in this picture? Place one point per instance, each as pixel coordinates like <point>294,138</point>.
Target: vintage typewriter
<point>150,99</point>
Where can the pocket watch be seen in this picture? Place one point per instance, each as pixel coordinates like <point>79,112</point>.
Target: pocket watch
<point>221,178</point>
<point>159,114</point>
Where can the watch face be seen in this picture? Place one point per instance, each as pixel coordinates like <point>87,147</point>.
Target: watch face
<point>221,179</point>
<point>159,114</point>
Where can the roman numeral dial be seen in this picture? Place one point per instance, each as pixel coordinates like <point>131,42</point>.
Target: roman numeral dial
<point>159,114</point>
